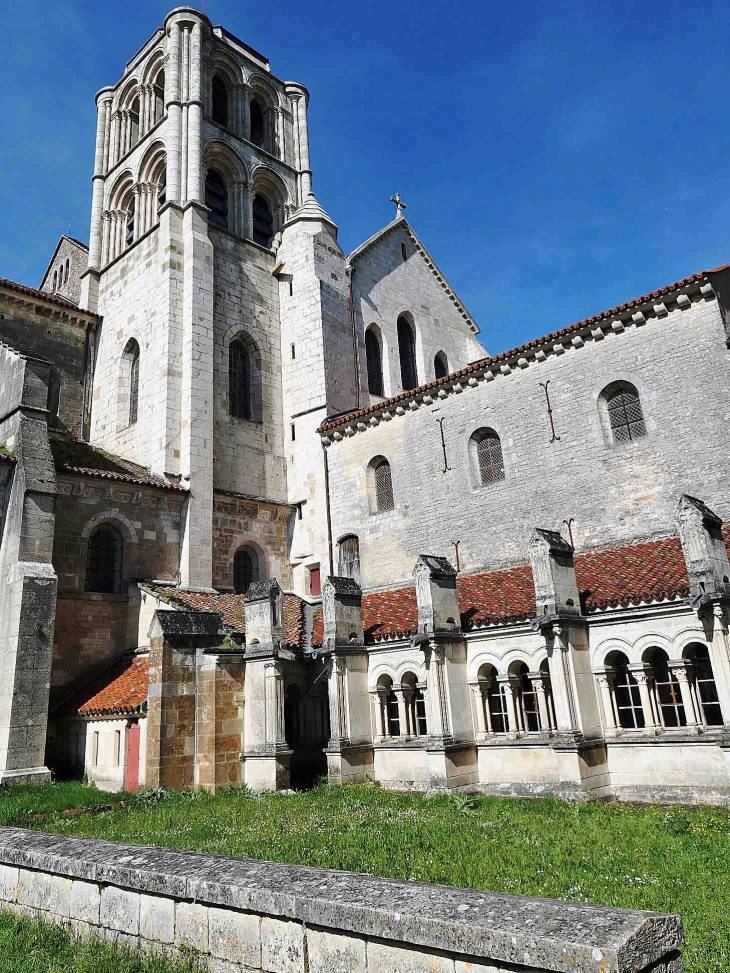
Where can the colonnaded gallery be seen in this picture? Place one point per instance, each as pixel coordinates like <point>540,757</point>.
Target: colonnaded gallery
<point>270,511</point>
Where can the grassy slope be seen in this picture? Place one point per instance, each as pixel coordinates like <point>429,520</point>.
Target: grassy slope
<point>668,860</point>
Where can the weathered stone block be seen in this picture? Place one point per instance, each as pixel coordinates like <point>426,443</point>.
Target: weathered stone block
<point>8,883</point>
<point>282,946</point>
<point>384,958</point>
<point>120,910</point>
<point>235,936</point>
<point>50,893</point>
<point>191,926</point>
<point>157,919</point>
<point>85,902</point>
<point>329,952</point>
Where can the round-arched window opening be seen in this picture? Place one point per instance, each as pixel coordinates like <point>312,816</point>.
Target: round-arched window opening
<point>216,198</point>
<point>245,569</point>
<point>257,123</point>
<point>441,365</point>
<point>104,560</point>
<point>263,221</point>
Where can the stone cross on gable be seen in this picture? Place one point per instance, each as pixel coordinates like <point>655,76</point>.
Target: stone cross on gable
<point>399,204</point>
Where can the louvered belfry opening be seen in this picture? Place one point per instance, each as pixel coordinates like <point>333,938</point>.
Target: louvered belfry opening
<point>263,221</point>
<point>383,487</point>
<point>239,378</point>
<point>407,353</point>
<point>625,414</point>
<point>216,198</point>
<point>374,363</point>
<point>489,454</point>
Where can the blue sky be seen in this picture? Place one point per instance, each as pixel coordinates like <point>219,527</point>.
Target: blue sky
<point>557,159</point>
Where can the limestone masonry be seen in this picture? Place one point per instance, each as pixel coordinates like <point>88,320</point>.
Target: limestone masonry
<point>270,511</point>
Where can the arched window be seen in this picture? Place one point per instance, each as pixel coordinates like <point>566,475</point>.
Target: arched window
<point>441,365</point>
<point>699,656</point>
<point>159,91</point>
<point>373,358</point>
<point>263,221</point>
<point>104,560</point>
<point>162,189</point>
<point>407,353</point>
<point>627,698</point>
<point>389,714</point>
<point>245,569</point>
<point>485,448</point>
<point>55,280</point>
<point>244,379</point>
<point>239,379</point>
<point>667,691</point>
<point>415,706</point>
<point>65,272</point>
<point>348,562</point>
<point>129,237</point>
<point>134,123</point>
<point>216,198</point>
<point>131,359</point>
<point>625,415</point>
<point>220,101</point>
<point>257,123</point>
<point>528,700</point>
<point>383,486</point>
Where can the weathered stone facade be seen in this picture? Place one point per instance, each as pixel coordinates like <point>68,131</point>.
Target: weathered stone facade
<point>275,511</point>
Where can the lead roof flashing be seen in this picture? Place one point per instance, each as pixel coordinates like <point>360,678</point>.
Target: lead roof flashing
<point>681,295</point>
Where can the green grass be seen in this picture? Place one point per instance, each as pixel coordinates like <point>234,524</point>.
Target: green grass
<point>35,947</point>
<point>665,859</point>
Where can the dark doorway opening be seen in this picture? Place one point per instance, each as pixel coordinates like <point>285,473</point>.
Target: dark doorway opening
<point>307,727</point>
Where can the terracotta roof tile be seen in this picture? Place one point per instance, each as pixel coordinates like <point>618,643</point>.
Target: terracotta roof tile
<point>73,456</point>
<point>121,690</point>
<point>64,302</point>
<point>646,572</point>
<point>553,336</point>
<point>231,608</point>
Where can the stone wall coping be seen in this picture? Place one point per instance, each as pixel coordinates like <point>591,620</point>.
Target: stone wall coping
<point>534,933</point>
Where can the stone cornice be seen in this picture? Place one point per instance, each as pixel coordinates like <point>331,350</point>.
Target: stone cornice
<point>46,305</point>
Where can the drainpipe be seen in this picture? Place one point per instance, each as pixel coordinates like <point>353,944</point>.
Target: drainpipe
<point>327,507</point>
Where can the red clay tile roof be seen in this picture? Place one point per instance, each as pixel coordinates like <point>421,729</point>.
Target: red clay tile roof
<point>651,571</point>
<point>231,608</point>
<point>64,302</point>
<point>72,456</point>
<point>553,336</point>
<point>121,690</point>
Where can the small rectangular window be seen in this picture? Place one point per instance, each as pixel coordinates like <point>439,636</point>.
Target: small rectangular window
<point>95,748</point>
<point>315,581</point>
<point>293,352</point>
<point>293,432</point>
<point>291,288</point>
<point>404,254</point>
<point>117,747</point>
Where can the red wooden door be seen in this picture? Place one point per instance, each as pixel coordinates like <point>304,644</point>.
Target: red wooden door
<point>131,773</point>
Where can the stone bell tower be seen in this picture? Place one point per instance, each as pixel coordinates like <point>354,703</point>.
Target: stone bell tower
<point>202,155</point>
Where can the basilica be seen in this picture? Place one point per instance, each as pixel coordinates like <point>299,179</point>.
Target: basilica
<point>270,512</point>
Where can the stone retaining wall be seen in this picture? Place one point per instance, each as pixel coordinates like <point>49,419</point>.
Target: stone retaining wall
<point>263,916</point>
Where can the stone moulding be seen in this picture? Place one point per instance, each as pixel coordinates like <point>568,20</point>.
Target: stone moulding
<point>47,874</point>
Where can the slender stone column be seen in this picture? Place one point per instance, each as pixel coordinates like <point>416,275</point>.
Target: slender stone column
<point>106,222</point>
<point>642,676</point>
<point>479,708</point>
<point>274,678</point>
<point>537,680</point>
<point>440,724</point>
<point>138,191</point>
<point>97,199</point>
<point>195,117</point>
<point>402,714</point>
<point>107,133</point>
<point>246,95</point>
<point>339,724</point>
<point>248,195</point>
<point>382,700</point>
<point>512,727</point>
<point>606,682</point>
<point>679,668</point>
<point>174,114</point>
